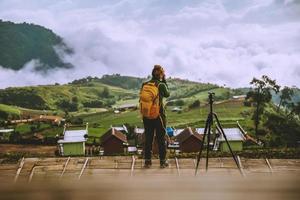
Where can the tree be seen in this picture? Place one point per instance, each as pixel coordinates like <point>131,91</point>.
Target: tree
<point>14,137</point>
<point>130,135</point>
<point>179,102</point>
<point>33,128</point>
<point>67,105</point>
<point>75,99</point>
<point>105,93</point>
<point>3,115</point>
<point>260,95</point>
<point>76,120</point>
<point>66,113</point>
<point>285,131</point>
<point>195,104</point>
<point>295,109</point>
<point>285,97</point>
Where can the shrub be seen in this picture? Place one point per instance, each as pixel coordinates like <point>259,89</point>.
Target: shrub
<point>76,120</point>
<point>93,104</point>
<point>15,137</point>
<point>67,105</point>
<point>195,104</point>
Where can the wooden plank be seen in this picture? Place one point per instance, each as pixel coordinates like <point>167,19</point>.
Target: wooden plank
<point>65,167</point>
<point>221,162</point>
<point>19,170</point>
<point>177,166</point>
<point>269,165</point>
<point>116,164</point>
<point>132,166</point>
<point>31,173</point>
<point>241,166</point>
<point>194,161</point>
<point>83,167</point>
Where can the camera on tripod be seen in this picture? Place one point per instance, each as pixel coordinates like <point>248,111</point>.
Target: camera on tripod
<point>211,97</point>
<point>207,133</point>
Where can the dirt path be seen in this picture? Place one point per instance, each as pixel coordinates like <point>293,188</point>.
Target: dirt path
<point>30,149</point>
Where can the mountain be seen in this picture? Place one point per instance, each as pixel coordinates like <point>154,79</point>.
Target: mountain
<point>21,43</point>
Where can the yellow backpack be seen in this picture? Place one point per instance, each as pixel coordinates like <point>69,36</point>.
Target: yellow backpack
<point>149,100</point>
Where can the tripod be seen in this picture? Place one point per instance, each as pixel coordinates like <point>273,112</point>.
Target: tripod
<point>207,132</point>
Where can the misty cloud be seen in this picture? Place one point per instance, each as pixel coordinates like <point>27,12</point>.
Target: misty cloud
<point>225,42</point>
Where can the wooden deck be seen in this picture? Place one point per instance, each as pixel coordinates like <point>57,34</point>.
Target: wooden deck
<point>31,169</point>
<point>125,178</point>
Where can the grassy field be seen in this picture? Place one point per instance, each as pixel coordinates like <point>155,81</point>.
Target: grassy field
<point>100,120</point>
<point>10,109</point>
<point>228,111</point>
<point>51,94</point>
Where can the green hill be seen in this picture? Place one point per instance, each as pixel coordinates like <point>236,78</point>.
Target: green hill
<point>6,111</point>
<point>104,92</point>
<point>185,90</point>
<point>20,43</point>
<point>97,92</point>
<point>126,82</point>
<point>70,97</point>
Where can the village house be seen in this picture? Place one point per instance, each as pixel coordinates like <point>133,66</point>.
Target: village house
<point>57,120</point>
<point>189,140</point>
<point>73,142</point>
<point>239,97</point>
<point>4,134</point>
<point>33,138</point>
<point>114,142</point>
<point>19,121</point>
<point>212,137</point>
<point>125,107</point>
<point>177,131</point>
<point>235,139</point>
<point>123,129</point>
<point>139,135</point>
<point>176,109</point>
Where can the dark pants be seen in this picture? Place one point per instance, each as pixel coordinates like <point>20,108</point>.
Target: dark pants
<point>155,126</point>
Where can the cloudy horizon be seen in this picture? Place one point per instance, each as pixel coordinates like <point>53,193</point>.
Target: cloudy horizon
<point>224,41</point>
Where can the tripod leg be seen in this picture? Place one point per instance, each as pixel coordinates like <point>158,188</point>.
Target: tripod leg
<point>207,146</point>
<point>202,145</point>
<point>223,133</point>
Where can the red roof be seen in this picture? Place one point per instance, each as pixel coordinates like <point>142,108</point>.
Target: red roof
<point>187,133</point>
<point>113,133</point>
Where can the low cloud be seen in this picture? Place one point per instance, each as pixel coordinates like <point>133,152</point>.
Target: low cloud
<point>224,42</point>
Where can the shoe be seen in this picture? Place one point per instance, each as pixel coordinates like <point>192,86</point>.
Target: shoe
<point>147,164</point>
<point>164,164</point>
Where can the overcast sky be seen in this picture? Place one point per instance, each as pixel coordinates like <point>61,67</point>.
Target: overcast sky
<point>222,41</point>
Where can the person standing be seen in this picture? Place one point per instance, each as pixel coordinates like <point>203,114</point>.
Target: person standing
<point>154,116</point>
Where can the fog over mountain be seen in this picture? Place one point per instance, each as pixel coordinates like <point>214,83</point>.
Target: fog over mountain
<point>223,41</point>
